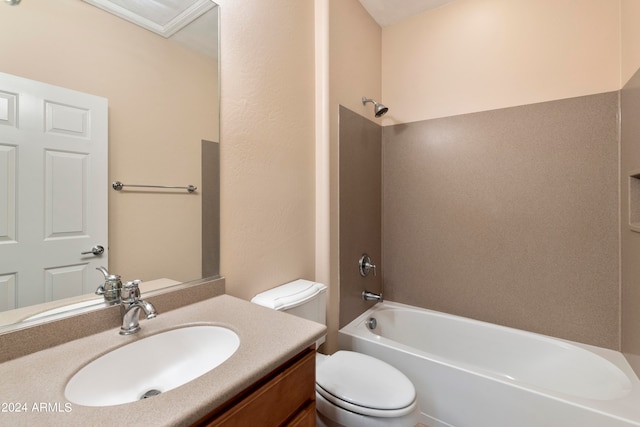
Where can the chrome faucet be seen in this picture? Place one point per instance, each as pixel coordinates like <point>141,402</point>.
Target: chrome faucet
<point>365,266</point>
<point>111,288</point>
<point>370,296</point>
<point>130,305</point>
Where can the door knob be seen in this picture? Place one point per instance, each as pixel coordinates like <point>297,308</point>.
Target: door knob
<point>96,250</point>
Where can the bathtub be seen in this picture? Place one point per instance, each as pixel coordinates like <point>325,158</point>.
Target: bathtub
<point>469,373</point>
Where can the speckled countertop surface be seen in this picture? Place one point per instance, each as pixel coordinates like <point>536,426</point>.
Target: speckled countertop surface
<point>268,338</point>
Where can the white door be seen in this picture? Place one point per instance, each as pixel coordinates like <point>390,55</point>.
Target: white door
<point>53,191</point>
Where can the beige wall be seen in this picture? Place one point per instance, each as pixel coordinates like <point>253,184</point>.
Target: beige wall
<point>630,39</point>
<point>267,144</point>
<point>477,55</point>
<point>354,62</point>
<point>154,88</point>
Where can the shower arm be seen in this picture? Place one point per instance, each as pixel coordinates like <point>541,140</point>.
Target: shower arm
<point>379,109</point>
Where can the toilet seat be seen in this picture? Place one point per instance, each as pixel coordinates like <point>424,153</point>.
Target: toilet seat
<point>365,385</point>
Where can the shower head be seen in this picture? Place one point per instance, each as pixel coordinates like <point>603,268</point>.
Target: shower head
<point>12,2</point>
<point>380,110</point>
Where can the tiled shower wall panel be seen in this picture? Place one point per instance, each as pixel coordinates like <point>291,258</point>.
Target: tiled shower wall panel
<point>360,210</point>
<point>508,216</point>
<point>629,214</point>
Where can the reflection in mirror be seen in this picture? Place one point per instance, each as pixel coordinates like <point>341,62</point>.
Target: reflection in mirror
<point>163,115</point>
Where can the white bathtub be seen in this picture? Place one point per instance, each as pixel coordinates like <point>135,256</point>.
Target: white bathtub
<point>475,374</point>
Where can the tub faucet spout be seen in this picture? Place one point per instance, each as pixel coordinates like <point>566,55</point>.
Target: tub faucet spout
<point>370,296</point>
<point>130,307</point>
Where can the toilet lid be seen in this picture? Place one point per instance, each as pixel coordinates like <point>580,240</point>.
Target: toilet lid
<point>289,295</point>
<point>364,384</point>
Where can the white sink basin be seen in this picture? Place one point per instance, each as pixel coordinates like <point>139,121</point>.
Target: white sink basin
<point>151,365</point>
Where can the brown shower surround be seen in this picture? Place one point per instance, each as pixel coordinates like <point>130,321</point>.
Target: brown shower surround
<point>508,216</point>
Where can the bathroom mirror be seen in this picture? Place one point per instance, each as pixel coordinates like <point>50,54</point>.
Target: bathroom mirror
<point>163,129</point>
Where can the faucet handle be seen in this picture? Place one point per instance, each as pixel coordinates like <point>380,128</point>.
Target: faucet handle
<point>133,284</point>
<point>131,291</point>
<point>364,265</point>
<point>111,287</point>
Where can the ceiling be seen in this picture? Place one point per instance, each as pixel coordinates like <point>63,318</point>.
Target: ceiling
<point>164,17</point>
<point>389,12</point>
<point>188,22</point>
<point>200,34</point>
<point>192,23</point>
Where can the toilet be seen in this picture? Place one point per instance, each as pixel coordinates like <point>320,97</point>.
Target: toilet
<point>352,389</point>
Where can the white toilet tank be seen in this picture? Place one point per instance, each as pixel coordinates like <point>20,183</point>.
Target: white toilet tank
<point>301,298</point>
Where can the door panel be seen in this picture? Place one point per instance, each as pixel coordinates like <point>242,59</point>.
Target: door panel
<point>67,120</point>
<point>8,107</point>
<point>64,282</point>
<point>7,193</point>
<point>7,292</point>
<point>65,194</point>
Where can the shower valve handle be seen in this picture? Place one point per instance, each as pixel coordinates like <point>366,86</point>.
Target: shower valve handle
<point>364,265</point>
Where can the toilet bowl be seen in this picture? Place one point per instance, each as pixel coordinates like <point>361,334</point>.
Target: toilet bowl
<point>352,389</point>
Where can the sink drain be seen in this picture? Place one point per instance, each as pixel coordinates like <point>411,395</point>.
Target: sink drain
<point>150,393</point>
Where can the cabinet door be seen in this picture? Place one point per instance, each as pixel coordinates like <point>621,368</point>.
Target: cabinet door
<point>278,400</point>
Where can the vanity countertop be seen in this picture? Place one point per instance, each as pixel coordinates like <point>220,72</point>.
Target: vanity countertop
<point>34,384</point>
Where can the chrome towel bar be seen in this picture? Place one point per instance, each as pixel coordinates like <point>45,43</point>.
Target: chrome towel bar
<point>117,185</point>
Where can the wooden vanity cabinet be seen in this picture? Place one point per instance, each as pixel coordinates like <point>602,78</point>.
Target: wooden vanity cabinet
<point>285,397</point>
